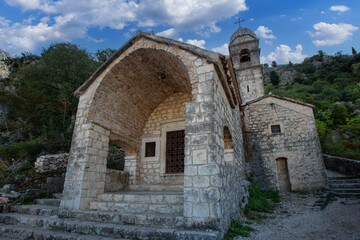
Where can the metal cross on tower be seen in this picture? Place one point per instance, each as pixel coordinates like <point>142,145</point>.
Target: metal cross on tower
<point>239,22</point>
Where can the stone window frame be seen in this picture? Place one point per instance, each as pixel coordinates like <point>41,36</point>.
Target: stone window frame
<point>245,56</point>
<point>228,152</point>
<point>168,126</point>
<point>147,139</point>
<point>274,124</point>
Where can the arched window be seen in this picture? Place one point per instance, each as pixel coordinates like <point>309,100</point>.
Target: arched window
<point>245,56</point>
<point>228,145</point>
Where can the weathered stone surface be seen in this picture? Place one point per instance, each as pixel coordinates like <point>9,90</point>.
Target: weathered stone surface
<point>116,180</point>
<point>52,163</point>
<point>297,142</point>
<point>343,165</point>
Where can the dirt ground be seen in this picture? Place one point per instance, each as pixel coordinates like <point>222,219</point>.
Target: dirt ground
<point>296,218</point>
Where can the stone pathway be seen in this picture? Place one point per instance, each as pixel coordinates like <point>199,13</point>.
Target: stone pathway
<point>296,218</point>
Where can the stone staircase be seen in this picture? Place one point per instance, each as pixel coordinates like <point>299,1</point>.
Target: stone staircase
<point>343,186</point>
<point>127,215</point>
<point>52,185</point>
<point>141,202</point>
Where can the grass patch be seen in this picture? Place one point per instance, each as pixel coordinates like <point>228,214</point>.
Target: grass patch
<point>259,201</point>
<point>238,228</point>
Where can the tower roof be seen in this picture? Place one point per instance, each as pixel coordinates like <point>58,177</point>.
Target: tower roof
<point>241,32</point>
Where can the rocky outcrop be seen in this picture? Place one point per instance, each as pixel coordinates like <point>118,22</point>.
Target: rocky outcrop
<point>4,71</point>
<point>52,163</point>
<point>286,74</point>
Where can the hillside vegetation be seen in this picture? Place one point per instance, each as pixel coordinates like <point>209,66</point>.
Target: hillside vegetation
<point>332,84</point>
<point>39,105</point>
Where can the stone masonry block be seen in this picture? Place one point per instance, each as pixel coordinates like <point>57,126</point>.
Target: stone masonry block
<point>201,181</point>
<point>209,169</point>
<point>210,195</point>
<point>199,157</point>
<point>200,210</point>
<point>191,194</point>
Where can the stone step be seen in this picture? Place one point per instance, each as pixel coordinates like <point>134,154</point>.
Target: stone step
<point>157,187</point>
<point>140,202</point>
<point>345,195</point>
<point>143,197</point>
<point>58,195</point>
<point>104,229</point>
<point>346,190</point>
<point>344,180</point>
<point>20,232</point>
<point>344,185</point>
<point>48,201</point>
<point>40,210</point>
<point>139,219</point>
<point>128,207</point>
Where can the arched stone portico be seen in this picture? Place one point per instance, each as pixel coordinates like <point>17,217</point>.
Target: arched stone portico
<point>118,104</point>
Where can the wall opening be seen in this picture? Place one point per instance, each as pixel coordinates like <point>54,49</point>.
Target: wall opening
<point>283,175</point>
<point>228,145</point>
<point>245,56</point>
<point>116,157</point>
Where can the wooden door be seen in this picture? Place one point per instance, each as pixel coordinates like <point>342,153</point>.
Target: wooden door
<point>283,175</point>
<point>175,151</point>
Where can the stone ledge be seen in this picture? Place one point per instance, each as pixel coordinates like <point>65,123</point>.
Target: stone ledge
<point>343,165</point>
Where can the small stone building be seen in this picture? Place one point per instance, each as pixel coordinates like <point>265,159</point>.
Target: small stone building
<point>186,118</point>
<point>285,149</point>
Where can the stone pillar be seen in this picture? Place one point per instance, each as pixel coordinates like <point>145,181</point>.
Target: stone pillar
<point>86,169</point>
<point>132,167</point>
<point>201,176</point>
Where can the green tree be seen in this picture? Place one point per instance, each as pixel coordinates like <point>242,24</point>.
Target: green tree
<point>42,89</point>
<point>274,78</point>
<point>354,52</point>
<point>273,64</point>
<point>102,55</point>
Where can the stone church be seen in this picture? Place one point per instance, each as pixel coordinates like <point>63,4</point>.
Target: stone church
<point>193,124</point>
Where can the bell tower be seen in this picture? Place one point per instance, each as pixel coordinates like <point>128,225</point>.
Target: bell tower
<point>245,54</point>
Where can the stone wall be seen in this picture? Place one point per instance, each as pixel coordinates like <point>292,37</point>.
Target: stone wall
<point>343,165</point>
<point>51,163</point>
<point>210,182</point>
<point>298,142</point>
<point>170,110</point>
<point>116,180</point>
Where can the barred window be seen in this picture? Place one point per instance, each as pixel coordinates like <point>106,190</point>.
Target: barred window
<point>275,129</point>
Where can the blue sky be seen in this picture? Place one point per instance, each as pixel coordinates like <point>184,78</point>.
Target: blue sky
<point>288,30</point>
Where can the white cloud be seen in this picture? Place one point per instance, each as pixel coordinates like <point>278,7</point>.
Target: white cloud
<point>223,49</point>
<point>296,19</point>
<point>167,33</point>
<point>198,43</point>
<point>81,15</point>
<point>284,54</point>
<point>339,8</point>
<point>264,32</point>
<point>331,34</point>
<point>268,43</point>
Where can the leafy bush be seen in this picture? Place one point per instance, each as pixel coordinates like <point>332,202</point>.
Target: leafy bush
<point>28,150</point>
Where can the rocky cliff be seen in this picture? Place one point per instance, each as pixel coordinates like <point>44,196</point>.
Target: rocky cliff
<point>3,69</point>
